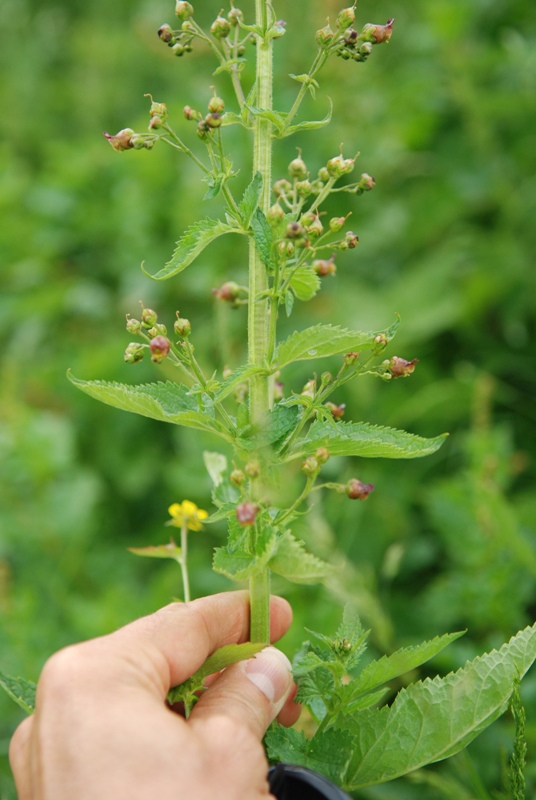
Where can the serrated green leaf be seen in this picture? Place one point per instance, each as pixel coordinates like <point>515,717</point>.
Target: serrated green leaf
<point>191,244</point>
<point>250,200</point>
<point>166,402</point>
<point>305,283</point>
<point>238,376</point>
<point>327,755</point>
<point>20,690</point>
<point>230,118</point>
<point>215,184</point>
<point>281,421</point>
<point>277,118</point>
<point>398,663</point>
<point>263,235</point>
<point>293,562</point>
<point>367,441</point>
<point>320,341</point>
<point>237,560</point>
<point>433,719</point>
<point>309,125</point>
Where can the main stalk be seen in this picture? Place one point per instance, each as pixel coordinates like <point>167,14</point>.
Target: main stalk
<point>258,309</point>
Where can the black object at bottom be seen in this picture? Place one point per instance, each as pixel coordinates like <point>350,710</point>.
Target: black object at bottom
<point>288,782</point>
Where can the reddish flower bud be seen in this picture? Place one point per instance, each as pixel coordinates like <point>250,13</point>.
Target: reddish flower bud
<point>246,512</point>
<point>336,411</point>
<point>324,267</point>
<point>229,292</point>
<point>159,347</point>
<point>357,490</point>
<point>294,231</point>
<point>190,113</point>
<point>378,33</point>
<point>400,368</point>
<point>122,140</point>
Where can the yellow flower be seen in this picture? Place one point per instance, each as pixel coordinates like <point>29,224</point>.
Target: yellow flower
<point>187,513</point>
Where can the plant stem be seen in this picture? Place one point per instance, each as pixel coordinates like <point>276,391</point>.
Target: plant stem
<point>183,562</point>
<point>258,307</point>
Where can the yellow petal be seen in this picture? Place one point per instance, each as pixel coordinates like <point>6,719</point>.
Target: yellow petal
<point>189,509</point>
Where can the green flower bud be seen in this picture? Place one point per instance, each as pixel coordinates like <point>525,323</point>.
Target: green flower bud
<point>366,182</point>
<point>324,36</point>
<point>122,140</point>
<point>178,50</point>
<point>323,174</point>
<point>253,469</point>
<point>134,353</point>
<point>165,33</point>
<point>235,17</point>
<point>189,113</point>
<point>350,358</point>
<point>282,187</point>
<point>381,340</point>
<point>229,292</point>
<point>216,105</point>
<point>322,454</point>
<point>237,477</point>
<point>365,49</point>
<point>275,214</point>
<point>133,325</point>
<point>182,327</point>
<point>285,249</point>
<point>279,29</point>
<point>213,121</point>
<point>310,466</point>
<point>336,224</point>
<point>159,329</point>
<point>202,129</point>
<point>309,390</point>
<point>316,186</point>
<point>148,317</point>
<point>315,228</point>
<point>183,9</point>
<point>159,347</point>
<point>304,188</point>
<point>339,166</point>
<point>346,18</point>
<point>297,169</point>
<point>220,28</point>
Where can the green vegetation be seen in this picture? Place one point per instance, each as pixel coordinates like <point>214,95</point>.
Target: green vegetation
<point>444,122</point>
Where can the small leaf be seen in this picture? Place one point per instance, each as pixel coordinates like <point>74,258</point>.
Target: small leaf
<point>166,402</point>
<point>250,200</point>
<point>20,690</point>
<point>293,562</point>
<point>216,465</point>
<point>305,283</point>
<point>289,303</point>
<point>263,235</point>
<point>309,125</point>
<point>238,376</point>
<point>239,63</point>
<point>367,441</point>
<point>170,550</point>
<point>230,118</point>
<point>277,118</point>
<point>321,341</point>
<point>327,754</point>
<point>191,244</point>
<point>215,184</point>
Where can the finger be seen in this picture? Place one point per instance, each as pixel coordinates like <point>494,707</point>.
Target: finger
<point>19,758</point>
<point>290,713</point>
<point>252,692</point>
<point>178,638</point>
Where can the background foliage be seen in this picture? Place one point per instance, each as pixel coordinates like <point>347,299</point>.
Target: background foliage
<point>444,120</point>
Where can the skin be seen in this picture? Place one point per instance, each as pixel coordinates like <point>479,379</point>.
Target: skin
<point>102,729</point>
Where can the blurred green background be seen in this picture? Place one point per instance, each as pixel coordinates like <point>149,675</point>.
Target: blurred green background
<point>444,118</point>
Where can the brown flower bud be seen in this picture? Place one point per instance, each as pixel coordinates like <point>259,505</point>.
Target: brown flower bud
<point>165,33</point>
<point>378,33</point>
<point>246,512</point>
<point>400,368</point>
<point>324,267</point>
<point>229,292</point>
<point>159,347</point>
<point>356,490</point>
<point>122,140</point>
<point>351,239</point>
<point>336,411</point>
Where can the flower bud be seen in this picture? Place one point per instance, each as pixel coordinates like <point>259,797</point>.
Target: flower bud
<point>202,129</point>
<point>159,330</point>
<point>376,34</point>
<point>148,317</point>
<point>324,267</point>
<point>285,249</point>
<point>381,340</point>
<point>400,368</point>
<point>315,228</point>
<point>366,182</point>
<point>237,477</point>
<point>229,292</point>
<point>159,347</point>
<point>310,466</point>
<point>350,37</point>
<point>345,18</point>
<point>325,380</point>
<point>350,358</point>
<point>282,187</point>
<point>122,140</point>
<point>294,231</point>
<point>278,390</point>
<point>324,36</point>
<point>336,411</point>
<point>133,325</point>
<point>304,188</point>
<point>339,166</point>
<point>134,353</point>
<point>253,469</point>
<point>220,28</point>
<point>279,29</point>
<point>275,214</point>
<point>213,120</point>
<point>322,454</point>
<point>155,123</point>
<point>165,33</point>
<point>158,110</point>
<point>351,239</point>
<point>365,49</point>
<point>216,105</point>
<point>336,224</point>
<point>246,512</point>
<point>182,327</point>
<point>190,113</point>
<point>183,9</point>
<point>309,390</point>
<point>357,490</point>
<point>235,17</point>
<point>297,169</point>
<point>323,174</point>
<point>178,49</point>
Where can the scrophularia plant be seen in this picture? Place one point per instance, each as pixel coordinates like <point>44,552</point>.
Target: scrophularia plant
<point>293,248</point>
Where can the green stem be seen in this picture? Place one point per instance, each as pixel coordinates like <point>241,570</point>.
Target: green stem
<point>258,307</point>
<point>184,562</point>
<point>320,59</point>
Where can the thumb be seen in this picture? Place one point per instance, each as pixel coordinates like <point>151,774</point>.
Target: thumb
<point>252,692</point>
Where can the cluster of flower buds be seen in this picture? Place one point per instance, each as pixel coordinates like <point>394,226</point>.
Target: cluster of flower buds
<point>158,114</point>
<point>210,121</point>
<point>357,46</point>
<point>180,40</point>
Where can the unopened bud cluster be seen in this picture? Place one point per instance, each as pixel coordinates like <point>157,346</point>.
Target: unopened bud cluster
<point>347,41</point>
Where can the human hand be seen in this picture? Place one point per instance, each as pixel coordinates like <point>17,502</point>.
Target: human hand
<point>102,731</point>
